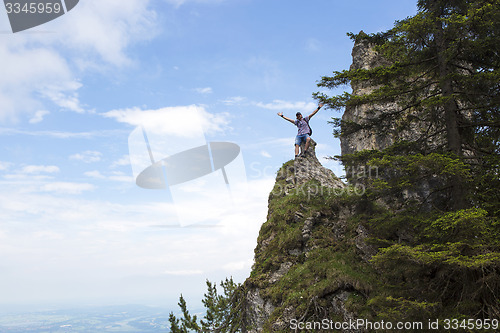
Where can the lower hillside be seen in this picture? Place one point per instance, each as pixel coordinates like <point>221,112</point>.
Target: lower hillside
<point>332,254</point>
<point>311,260</point>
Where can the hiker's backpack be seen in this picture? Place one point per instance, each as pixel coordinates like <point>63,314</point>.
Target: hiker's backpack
<point>310,129</point>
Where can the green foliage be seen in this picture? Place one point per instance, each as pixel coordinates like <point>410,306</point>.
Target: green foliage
<point>187,323</point>
<point>223,311</point>
<point>430,264</point>
<point>473,225</point>
<point>403,310</point>
<point>452,262</point>
<point>315,268</point>
<point>441,68</point>
<point>436,223</point>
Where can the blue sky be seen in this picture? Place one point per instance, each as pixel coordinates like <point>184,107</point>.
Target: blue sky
<point>74,226</point>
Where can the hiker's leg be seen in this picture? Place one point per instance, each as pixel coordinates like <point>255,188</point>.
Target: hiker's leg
<point>297,145</point>
<point>308,140</point>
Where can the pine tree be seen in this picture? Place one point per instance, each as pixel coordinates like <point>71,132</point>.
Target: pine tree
<point>441,67</point>
<point>223,311</point>
<point>187,323</point>
<point>439,71</point>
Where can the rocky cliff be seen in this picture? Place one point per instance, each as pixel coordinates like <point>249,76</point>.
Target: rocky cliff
<point>364,56</point>
<point>330,254</point>
<point>310,257</point>
<point>312,260</point>
<point>390,129</point>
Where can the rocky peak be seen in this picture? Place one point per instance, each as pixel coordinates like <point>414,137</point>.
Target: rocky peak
<point>306,168</point>
<point>300,183</point>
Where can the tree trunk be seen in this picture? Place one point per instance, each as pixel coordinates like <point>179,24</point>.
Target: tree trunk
<point>450,109</point>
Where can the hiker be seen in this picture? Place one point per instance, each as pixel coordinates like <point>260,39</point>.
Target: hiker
<point>304,130</point>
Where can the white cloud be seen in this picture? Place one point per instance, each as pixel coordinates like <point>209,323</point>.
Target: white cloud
<point>88,156</point>
<point>30,70</point>
<point>62,135</point>
<point>265,154</point>
<point>66,187</point>
<point>38,116</point>
<point>96,34</point>
<point>106,29</point>
<point>26,177</point>
<point>123,161</point>
<point>194,186</point>
<point>184,272</point>
<point>239,265</point>
<point>37,169</point>
<point>234,100</point>
<point>178,3</point>
<point>204,91</point>
<point>48,235</point>
<point>5,165</point>
<point>285,105</point>
<point>94,174</point>
<point>180,121</point>
<point>122,177</point>
<point>69,241</point>
<point>64,95</point>
<point>114,176</point>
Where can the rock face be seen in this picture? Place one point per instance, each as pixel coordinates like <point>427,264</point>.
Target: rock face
<point>291,180</point>
<point>307,168</point>
<point>364,57</point>
<point>405,128</point>
<point>289,243</point>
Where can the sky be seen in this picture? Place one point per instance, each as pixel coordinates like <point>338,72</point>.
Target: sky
<point>80,96</point>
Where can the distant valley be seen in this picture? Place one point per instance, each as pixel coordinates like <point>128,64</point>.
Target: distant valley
<point>128,318</point>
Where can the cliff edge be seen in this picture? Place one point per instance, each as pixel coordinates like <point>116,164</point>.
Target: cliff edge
<point>309,253</point>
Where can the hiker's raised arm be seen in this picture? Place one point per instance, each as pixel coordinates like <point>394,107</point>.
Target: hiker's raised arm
<point>286,118</point>
<point>316,111</point>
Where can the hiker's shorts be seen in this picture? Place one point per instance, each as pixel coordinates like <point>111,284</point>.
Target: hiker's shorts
<point>301,138</point>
